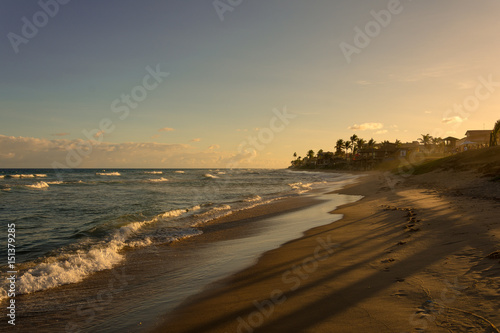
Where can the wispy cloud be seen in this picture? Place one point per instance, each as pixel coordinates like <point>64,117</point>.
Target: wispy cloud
<point>366,126</point>
<point>212,147</point>
<point>452,120</point>
<point>166,129</point>
<point>364,82</point>
<point>196,140</point>
<point>433,72</point>
<point>381,132</point>
<point>35,152</point>
<point>99,133</point>
<point>60,134</point>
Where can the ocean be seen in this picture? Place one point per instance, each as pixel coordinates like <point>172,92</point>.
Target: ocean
<point>71,225</point>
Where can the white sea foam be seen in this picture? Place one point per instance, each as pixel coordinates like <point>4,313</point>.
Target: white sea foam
<point>221,173</point>
<point>154,172</point>
<point>210,176</point>
<point>108,173</point>
<point>175,213</point>
<point>39,185</point>
<point>157,180</point>
<point>179,171</point>
<point>300,187</point>
<point>40,175</point>
<point>253,198</point>
<point>74,267</point>
<point>212,214</point>
<point>70,268</point>
<point>23,176</point>
<point>55,182</point>
<point>1,176</point>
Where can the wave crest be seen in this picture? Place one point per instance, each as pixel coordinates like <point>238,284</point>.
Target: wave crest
<point>108,173</point>
<point>39,185</point>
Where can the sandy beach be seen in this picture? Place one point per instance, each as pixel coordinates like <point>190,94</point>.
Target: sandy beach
<point>416,254</point>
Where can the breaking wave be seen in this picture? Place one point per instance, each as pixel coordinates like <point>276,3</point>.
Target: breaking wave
<point>75,266</point>
<point>158,180</point>
<point>39,185</point>
<point>108,173</point>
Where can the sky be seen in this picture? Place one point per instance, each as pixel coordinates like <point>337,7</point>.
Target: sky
<point>237,83</point>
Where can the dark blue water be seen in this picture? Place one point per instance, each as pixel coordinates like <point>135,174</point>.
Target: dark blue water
<point>72,223</point>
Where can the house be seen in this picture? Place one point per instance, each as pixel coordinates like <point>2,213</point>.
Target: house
<point>477,138</point>
<point>367,158</point>
<point>450,144</point>
<point>406,149</point>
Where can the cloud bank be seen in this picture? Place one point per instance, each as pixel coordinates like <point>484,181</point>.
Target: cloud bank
<point>29,152</point>
<point>366,126</point>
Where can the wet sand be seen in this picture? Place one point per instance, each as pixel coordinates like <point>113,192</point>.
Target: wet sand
<point>411,256</point>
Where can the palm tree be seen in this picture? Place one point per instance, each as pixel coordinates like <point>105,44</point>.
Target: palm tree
<point>347,145</point>
<point>310,154</point>
<point>494,134</point>
<point>295,155</point>
<point>371,143</point>
<point>425,139</point>
<point>339,146</point>
<point>354,138</point>
<point>398,143</point>
<point>319,156</point>
<point>360,143</point>
<point>436,141</point>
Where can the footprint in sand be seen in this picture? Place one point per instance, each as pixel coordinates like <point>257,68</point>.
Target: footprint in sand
<point>400,293</point>
<point>388,260</point>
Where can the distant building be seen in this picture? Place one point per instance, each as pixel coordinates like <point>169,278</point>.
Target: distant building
<point>475,139</point>
<point>450,144</point>
<point>367,158</point>
<point>478,137</point>
<point>406,149</point>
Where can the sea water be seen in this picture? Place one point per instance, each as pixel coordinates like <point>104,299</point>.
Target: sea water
<point>71,224</point>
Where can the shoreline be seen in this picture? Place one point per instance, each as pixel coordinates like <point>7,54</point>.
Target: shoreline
<point>405,261</point>
<point>157,277</point>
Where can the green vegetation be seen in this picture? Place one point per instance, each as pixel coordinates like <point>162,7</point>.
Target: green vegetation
<point>486,161</point>
<point>424,155</point>
<point>494,134</point>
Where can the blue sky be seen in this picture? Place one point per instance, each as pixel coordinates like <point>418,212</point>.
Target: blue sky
<point>226,78</point>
